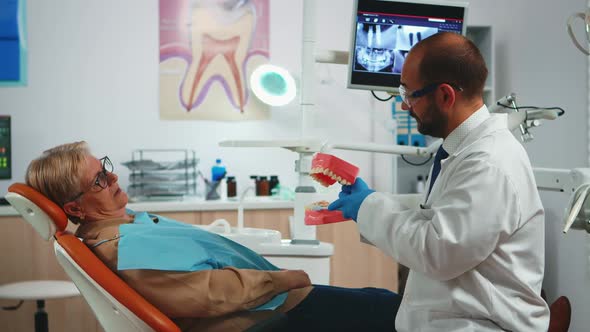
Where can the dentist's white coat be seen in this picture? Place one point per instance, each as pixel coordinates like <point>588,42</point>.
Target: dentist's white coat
<point>476,247</point>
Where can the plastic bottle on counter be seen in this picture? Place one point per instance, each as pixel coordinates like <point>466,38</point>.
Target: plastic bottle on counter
<point>218,171</point>
<point>231,187</point>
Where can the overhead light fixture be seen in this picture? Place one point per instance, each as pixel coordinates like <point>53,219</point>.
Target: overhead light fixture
<point>273,85</point>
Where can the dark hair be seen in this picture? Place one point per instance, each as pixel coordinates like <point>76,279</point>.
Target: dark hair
<point>450,57</point>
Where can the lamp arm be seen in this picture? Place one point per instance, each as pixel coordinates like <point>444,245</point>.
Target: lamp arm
<point>574,182</point>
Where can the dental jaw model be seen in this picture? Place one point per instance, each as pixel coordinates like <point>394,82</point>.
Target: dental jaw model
<point>327,170</point>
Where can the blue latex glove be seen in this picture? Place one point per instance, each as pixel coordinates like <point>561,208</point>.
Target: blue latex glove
<point>350,199</point>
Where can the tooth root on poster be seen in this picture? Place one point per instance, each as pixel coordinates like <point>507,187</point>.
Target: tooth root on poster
<point>206,60</point>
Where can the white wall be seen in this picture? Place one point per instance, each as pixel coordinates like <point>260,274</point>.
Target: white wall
<point>93,75</point>
<point>536,60</point>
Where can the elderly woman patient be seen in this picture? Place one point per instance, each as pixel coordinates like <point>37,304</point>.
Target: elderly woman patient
<point>201,280</point>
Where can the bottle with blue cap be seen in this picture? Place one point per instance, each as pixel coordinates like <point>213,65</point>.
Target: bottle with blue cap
<point>216,187</point>
<point>217,171</point>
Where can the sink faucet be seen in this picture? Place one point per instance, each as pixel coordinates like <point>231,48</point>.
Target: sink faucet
<point>241,208</point>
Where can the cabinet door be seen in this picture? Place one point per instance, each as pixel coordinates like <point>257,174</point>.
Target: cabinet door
<point>207,217</point>
<point>355,264</point>
<point>270,219</point>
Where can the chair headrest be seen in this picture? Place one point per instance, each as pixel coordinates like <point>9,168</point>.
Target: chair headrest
<point>45,216</point>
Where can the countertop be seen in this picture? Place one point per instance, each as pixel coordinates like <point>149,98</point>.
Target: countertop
<point>193,204</point>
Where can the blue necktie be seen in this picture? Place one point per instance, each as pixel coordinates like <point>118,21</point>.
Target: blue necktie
<point>440,155</point>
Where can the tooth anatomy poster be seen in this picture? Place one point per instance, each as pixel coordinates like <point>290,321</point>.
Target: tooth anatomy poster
<point>208,49</point>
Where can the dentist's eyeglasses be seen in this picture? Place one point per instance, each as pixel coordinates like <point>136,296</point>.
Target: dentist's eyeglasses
<point>102,178</point>
<point>410,98</point>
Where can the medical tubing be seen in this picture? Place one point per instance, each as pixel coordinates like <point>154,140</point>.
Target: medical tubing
<point>241,208</point>
<point>533,108</point>
<point>416,164</point>
<point>14,307</point>
<point>220,222</point>
<point>382,99</point>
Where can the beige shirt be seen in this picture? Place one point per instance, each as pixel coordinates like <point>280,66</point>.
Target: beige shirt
<point>211,300</point>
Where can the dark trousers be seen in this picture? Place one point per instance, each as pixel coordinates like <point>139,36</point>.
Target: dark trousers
<point>329,308</point>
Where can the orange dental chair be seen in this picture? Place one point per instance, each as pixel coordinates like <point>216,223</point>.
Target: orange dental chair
<point>116,305</point>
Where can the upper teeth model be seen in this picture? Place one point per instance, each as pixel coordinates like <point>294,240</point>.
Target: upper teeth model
<point>328,169</point>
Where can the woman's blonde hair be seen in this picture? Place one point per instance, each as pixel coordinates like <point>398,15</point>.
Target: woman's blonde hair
<point>58,172</point>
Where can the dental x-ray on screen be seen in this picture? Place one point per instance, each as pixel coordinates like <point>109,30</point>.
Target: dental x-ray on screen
<point>386,30</point>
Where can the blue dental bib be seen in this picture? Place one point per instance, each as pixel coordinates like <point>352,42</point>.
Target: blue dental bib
<point>159,243</point>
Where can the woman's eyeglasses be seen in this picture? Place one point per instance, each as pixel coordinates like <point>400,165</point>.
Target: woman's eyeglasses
<point>102,178</point>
